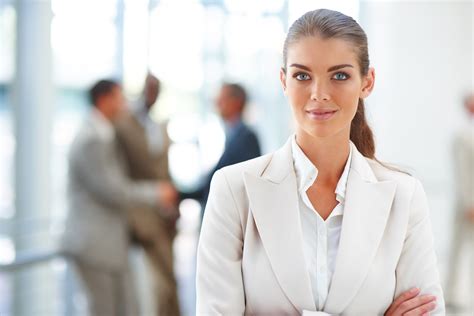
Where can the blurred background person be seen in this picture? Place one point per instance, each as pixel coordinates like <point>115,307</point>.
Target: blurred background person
<point>463,238</point>
<point>145,145</point>
<point>96,230</point>
<point>241,142</point>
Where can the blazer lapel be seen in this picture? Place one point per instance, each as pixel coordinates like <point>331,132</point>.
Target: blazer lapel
<point>367,207</point>
<point>273,202</point>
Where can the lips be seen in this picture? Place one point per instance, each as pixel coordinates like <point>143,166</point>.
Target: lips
<point>321,114</point>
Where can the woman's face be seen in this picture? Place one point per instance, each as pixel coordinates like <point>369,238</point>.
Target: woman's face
<point>323,85</point>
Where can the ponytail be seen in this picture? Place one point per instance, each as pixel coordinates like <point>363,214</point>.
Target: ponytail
<point>361,134</point>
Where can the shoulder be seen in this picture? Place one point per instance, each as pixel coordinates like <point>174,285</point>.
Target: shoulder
<point>126,122</point>
<point>89,138</point>
<point>406,184</point>
<point>234,174</point>
<point>163,125</point>
<point>87,134</point>
<point>246,130</point>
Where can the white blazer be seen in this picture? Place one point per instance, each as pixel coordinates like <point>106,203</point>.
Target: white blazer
<point>250,255</point>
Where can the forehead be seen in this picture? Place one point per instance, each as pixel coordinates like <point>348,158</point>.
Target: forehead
<point>469,100</point>
<point>315,52</point>
<point>225,91</point>
<point>116,90</point>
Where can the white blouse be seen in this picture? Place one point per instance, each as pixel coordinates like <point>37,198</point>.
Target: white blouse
<point>320,238</point>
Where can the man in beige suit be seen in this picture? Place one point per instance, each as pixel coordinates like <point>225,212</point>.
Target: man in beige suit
<point>99,193</point>
<point>145,145</point>
<point>464,221</point>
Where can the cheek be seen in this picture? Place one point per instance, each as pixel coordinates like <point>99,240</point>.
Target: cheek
<point>298,94</point>
<point>347,96</point>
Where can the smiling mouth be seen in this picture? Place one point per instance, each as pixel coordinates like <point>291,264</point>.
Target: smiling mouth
<point>321,115</point>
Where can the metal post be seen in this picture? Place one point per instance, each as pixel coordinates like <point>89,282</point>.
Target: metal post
<point>32,100</point>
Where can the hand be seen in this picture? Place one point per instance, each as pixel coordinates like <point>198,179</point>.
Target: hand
<point>168,196</point>
<point>410,304</point>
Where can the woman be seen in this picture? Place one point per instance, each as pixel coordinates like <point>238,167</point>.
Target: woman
<point>319,226</point>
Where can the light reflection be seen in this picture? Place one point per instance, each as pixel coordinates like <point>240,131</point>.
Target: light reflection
<point>64,130</point>
<point>135,48</point>
<point>7,38</point>
<point>7,250</point>
<point>82,51</point>
<point>190,211</point>
<point>254,7</point>
<point>184,164</point>
<point>213,25</point>
<point>184,128</point>
<point>300,7</point>
<point>243,35</point>
<point>91,9</point>
<point>178,62</point>
<point>6,161</point>
<point>211,142</point>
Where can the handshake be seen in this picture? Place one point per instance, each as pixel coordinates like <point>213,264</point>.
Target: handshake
<point>168,199</point>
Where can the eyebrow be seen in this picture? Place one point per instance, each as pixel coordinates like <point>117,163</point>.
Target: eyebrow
<point>332,68</point>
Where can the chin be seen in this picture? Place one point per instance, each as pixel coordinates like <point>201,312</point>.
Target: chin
<point>322,130</point>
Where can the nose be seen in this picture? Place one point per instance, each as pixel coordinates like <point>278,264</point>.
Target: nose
<point>320,91</point>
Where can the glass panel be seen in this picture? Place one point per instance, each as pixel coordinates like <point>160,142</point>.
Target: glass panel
<point>7,40</point>
<point>254,7</point>
<point>178,63</point>
<point>299,7</point>
<point>84,48</point>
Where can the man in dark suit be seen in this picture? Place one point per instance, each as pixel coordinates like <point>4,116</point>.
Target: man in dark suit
<point>241,142</point>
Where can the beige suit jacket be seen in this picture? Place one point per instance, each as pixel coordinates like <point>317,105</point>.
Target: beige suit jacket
<point>141,162</point>
<point>144,165</point>
<point>250,256</point>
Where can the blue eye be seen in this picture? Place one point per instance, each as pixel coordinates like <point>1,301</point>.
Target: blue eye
<point>341,76</point>
<point>301,76</point>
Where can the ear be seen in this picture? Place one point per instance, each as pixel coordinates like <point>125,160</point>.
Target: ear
<point>368,83</point>
<point>283,79</point>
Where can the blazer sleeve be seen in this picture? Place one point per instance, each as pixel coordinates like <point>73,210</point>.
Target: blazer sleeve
<point>106,180</point>
<point>219,284</point>
<point>417,266</point>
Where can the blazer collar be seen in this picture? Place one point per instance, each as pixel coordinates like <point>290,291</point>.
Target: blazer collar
<point>273,201</point>
<point>281,164</point>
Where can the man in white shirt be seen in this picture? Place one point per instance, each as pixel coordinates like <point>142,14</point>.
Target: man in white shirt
<point>99,192</point>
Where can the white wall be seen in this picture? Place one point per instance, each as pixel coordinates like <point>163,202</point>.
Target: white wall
<point>423,56</point>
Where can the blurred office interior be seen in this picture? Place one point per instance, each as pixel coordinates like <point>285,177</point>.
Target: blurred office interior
<point>51,51</point>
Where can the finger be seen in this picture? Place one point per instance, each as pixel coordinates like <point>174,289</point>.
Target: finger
<point>422,310</point>
<point>415,302</point>
<point>402,298</point>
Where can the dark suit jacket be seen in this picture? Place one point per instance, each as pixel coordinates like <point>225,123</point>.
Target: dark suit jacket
<point>242,145</point>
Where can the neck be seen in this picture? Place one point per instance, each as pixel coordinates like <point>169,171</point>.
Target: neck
<point>106,114</point>
<point>328,154</point>
<point>232,119</point>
